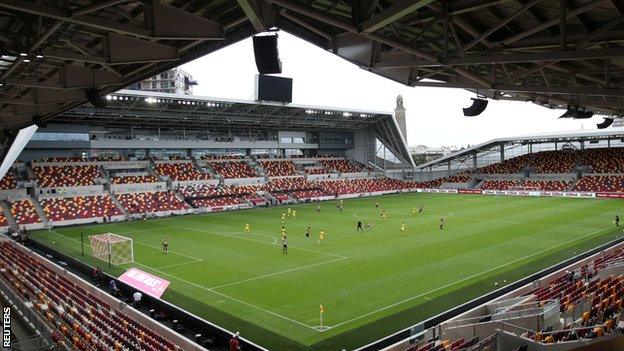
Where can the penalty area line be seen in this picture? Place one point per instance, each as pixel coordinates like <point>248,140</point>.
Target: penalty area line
<point>229,297</point>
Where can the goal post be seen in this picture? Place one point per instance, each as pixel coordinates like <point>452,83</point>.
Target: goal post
<point>112,248</point>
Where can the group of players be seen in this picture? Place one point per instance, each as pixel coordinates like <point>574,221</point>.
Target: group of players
<point>292,214</point>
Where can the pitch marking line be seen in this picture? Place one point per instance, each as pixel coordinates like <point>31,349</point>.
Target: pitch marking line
<point>211,290</point>
<point>173,252</point>
<point>229,297</point>
<point>261,242</point>
<point>137,242</point>
<point>179,264</point>
<point>278,273</point>
<point>467,278</point>
<point>369,313</point>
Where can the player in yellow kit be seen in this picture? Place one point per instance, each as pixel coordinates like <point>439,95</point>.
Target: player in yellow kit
<point>289,212</point>
<point>283,232</point>
<point>247,227</point>
<point>384,215</point>
<point>283,217</point>
<point>294,214</point>
<point>321,236</point>
<point>403,228</point>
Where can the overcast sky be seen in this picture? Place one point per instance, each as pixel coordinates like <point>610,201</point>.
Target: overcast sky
<point>434,115</point>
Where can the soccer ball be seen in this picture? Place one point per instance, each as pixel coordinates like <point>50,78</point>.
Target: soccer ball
<point>54,242</point>
<point>495,283</point>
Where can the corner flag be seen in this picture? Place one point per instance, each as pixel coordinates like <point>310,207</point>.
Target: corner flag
<point>322,309</point>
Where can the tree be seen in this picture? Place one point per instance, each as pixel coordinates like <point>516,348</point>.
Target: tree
<point>419,159</point>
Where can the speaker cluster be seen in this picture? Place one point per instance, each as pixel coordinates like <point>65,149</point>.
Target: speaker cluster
<point>268,86</point>
<point>577,112</point>
<point>477,107</point>
<point>267,54</point>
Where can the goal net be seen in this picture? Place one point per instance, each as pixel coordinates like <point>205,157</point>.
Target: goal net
<point>112,248</point>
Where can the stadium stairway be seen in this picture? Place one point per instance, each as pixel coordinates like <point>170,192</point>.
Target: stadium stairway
<point>119,205</point>
<point>181,198</point>
<point>150,171</point>
<point>268,197</point>
<point>257,167</point>
<point>103,174</point>
<point>40,211</point>
<point>200,168</point>
<point>573,184</point>
<point>30,173</point>
<point>478,183</point>
<point>7,213</point>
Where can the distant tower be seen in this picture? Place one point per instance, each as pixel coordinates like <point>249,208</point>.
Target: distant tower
<point>399,114</point>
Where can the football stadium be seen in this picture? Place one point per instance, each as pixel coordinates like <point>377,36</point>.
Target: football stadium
<point>138,216</point>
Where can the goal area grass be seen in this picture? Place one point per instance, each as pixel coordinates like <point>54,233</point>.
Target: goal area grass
<point>371,283</point>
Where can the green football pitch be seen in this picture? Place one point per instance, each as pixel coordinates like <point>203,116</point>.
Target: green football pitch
<point>370,283</point>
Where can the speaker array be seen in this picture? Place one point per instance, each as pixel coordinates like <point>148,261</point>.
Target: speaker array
<point>267,55</point>
<point>477,107</point>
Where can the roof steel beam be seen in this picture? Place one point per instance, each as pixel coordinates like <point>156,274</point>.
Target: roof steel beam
<point>500,24</point>
<point>250,8</point>
<point>392,13</point>
<point>550,23</point>
<point>580,90</point>
<point>378,38</point>
<point>560,55</point>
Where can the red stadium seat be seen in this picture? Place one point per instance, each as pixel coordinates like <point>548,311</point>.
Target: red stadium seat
<point>609,184</point>
<point>342,166</point>
<point>499,184</point>
<point>79,207</point>
<point>148,202</point>
<point>24,212</point>
<point>62,176</point>
<point>233,169</point>
<point>76,313</point>
<point>279,168</point>
<point>180,171</point>
<point>133,179</point>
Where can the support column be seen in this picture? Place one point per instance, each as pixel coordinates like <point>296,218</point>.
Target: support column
<point>474,160</point>
<point>502,152</point>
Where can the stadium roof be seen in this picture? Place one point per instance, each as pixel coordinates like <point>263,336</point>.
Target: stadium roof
<point>574,136</point>
<point>56,53</point>
<point>53,52</point>
<point>128,109</point>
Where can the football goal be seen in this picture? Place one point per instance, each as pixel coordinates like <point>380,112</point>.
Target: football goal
<point>112,248</point>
